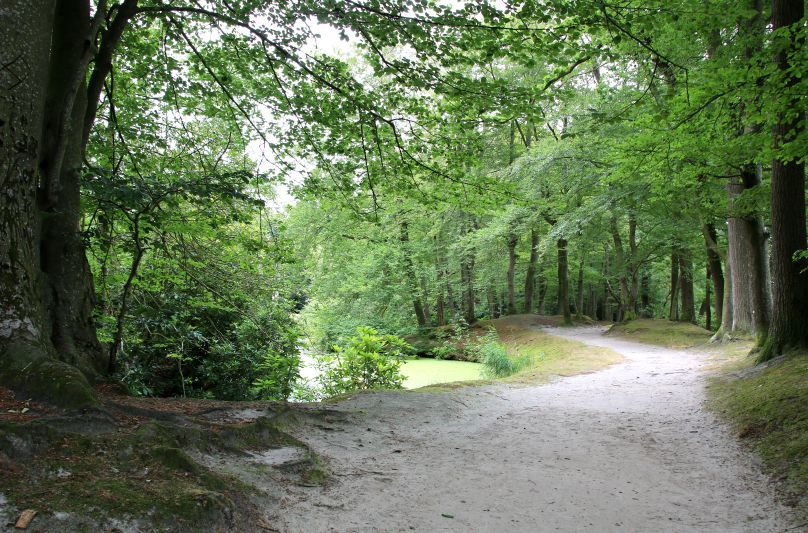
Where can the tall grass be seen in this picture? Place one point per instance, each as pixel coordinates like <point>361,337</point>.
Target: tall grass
<point>495,359</point>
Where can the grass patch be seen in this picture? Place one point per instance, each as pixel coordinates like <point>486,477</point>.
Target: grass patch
<point>662,333</point>
<point>546,356</point>
<point>766,407</point>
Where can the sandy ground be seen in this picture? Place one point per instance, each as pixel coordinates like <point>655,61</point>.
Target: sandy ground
<point>629,448</point>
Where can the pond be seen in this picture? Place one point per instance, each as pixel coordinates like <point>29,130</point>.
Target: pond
<point>417,372</point>
<point>423,372</point>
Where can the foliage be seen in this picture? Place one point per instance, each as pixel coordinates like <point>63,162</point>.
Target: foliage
<point>368,360</point>
<point>494,356</point>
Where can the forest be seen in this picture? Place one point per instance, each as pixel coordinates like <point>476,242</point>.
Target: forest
<point>199,197</point>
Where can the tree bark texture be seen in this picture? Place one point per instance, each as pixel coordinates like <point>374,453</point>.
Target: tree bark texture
<point>790,277</point>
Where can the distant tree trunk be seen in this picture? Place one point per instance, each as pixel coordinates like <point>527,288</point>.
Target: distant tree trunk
<point>409,271</point>
<point>530,278</point>
<point>541,307</point>
<point>579,303</point>
<point>513,239</point>
<point>687,310</point>
<point>716,273</point>
<point>645,294</point>
<point>467,280</point>
<point>674,311</point>
<point>425,299</point>
<point>790,291</point>
<point>563,282</point>
<point>440,309</point>
<point>627,305</point>
<point>493,305</point>
<point>706,306</point>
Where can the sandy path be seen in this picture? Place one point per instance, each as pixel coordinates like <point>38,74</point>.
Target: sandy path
<point>629,448</point>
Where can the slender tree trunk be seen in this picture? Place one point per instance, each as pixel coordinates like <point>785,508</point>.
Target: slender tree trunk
<point>716,273</point>
<point>409,271</point>
<point>563,282</point>
<point>530,278</point>
<point>541,307</point>
<point>440,310</point>
<point>467,281</point>
<point>491,297</point>
<point>579,303</point>
<point>645,294</point>
<point>707,308</point>
<point>425,299</point>
<point>513,239</point>
<point>674,311</point>
<point>790,290</point>
<point>688,304</point>
<point>126,292</point>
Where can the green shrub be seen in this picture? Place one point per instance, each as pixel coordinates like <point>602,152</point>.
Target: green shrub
<point>368,360</point>
<point>494,357</point>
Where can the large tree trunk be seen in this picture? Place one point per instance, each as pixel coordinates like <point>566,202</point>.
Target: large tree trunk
<point>513,239</point>
<point>530,278</point>
<point>27,362</point>
<point>563,282</point>
<point>748,264</point>
<point>627,305</point>
<point>790,288</point>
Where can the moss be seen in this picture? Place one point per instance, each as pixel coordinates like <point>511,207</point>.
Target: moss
<point>662,333</point>
<point>175,459</point>
<point>26,368</point>
<point>766,406</point>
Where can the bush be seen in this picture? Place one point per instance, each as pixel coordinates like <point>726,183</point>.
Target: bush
<point>494,357</point>
<point>368,360</point>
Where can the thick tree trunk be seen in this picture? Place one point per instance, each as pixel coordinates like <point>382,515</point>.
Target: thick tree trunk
<point>513,239</point>
<point>687,312</point>
<point>563,282</point>
<point>748,264</point>
<point>790,289</point>
<point>27,361</point>
<point>530,278</point>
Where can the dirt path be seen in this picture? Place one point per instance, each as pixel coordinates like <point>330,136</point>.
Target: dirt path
<point>629,448</point>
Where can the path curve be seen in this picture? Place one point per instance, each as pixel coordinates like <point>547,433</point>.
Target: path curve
<point>629,448</point>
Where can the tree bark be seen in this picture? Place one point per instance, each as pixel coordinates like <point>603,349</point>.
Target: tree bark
<point>747,257</point>
<point>27,357</point>
<point>790,288</point>
<point>579,303</point>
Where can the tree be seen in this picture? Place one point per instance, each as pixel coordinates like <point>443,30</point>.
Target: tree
<point>789,274</point>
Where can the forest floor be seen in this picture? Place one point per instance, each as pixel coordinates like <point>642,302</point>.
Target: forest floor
<point>630,447</point>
